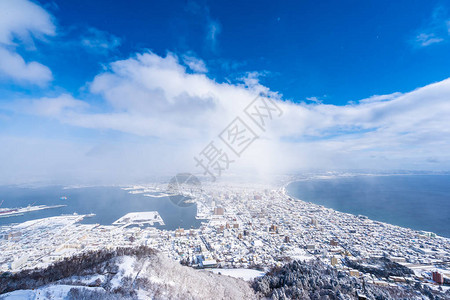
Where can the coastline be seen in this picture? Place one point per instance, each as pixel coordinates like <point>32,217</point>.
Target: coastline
<point>285,190</point>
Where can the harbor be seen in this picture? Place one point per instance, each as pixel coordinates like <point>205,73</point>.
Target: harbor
<point>11,212</point>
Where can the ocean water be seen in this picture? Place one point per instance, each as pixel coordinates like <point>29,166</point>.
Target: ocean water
<point>108,203</point>
<point>420,202</point>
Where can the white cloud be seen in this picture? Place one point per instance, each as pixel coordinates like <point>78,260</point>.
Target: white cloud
<point>437,29</point>
<point>426,39</point>
<point>21,21</point>
<point>214,29</point>
<point>99,41</point>
<point>13,66</point>
<point>155,97</point>
<point>314,99</point>
<point>251,80</point>
<point>150,87</point>
<point>53,107</point>
<point>398,133</point>
<point>174,113</point>
<point>379,98</point>
<point>212,26</point>
<point>195,64</point>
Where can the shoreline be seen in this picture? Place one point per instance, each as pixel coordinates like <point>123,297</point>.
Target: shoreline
<point>285,191</point>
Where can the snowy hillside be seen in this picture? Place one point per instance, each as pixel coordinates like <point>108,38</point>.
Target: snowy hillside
<point>143,273</point>
<point>139,277</point>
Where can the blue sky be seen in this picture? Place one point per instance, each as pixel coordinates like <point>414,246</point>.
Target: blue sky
<point>88,75</point>
<point>338,51</point>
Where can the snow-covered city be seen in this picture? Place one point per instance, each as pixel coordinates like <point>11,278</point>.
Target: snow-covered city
<point>244,227</point>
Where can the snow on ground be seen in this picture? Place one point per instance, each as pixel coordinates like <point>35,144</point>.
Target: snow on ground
<point>138,218</point>
<point>86,280</point>
<point>246,274</point>
<point>299,254</point>
<point>19,295</point>
<point>170,280</point>
<point>126,268</point>
<point>53,292</point>
<point>160,278</point>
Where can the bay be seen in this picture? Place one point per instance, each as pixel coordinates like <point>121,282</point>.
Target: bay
<point>420,202</point>
<point>107,203</point>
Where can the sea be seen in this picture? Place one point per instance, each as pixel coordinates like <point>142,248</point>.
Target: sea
<point>419,202</point>
<point>107,203</point>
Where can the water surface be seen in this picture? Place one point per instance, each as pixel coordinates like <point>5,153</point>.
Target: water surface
<point>108,203</point>
<point>420,202</point>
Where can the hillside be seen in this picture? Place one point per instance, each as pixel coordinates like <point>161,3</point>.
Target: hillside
<point>316,280</point>
<point>140,273</point>
<point>144,273</point>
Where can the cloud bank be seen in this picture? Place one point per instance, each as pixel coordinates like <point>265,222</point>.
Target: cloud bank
<point>175,114</point>
<point>149,115</point>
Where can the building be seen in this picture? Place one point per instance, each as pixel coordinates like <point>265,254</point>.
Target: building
<point>438,277</point>
<point>14,235</point>
<point>273,228</point>
<point>398,259</point>
<point>334,261</point>
<point>310,246</point>
<point>179,232</point>
<point>18,262</point>
<point>218,211</point>
<point>209,263</point>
